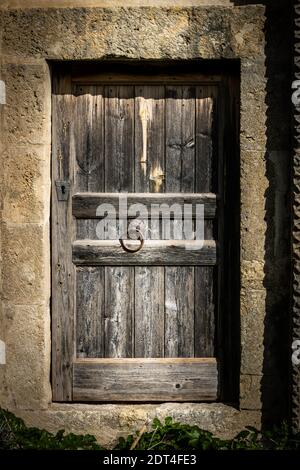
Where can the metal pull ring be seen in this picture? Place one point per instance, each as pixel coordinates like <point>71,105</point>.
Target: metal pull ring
<point>133,250</point>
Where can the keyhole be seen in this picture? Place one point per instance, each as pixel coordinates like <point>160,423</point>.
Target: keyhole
<point>63,189</point>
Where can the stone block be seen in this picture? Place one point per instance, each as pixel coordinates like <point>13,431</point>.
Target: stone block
<point>28,104</point>
<point>27,369</point>
<point>26,263</point>
<point>26,184</point>
<point>253,306</point>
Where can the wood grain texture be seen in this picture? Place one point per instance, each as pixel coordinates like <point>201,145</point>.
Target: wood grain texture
<point>179,312</point>
<point>63,271</point>
<point>205,97</point>
<point>119,311</point>
<point>149,138</point>
<point>180,138</point>
<point>204,312</point>
<point>161,78</point>
<point>85,204</point>
<point>119,138</point>
<point>149,312</point>
<point>146,380</point>
<point>90,312</point>
<point>154,253</point>
<point>88,121</point>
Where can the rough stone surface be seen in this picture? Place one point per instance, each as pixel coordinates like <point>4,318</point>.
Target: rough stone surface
<point>27,374</point>
<point>250,392</point>
<point>24,251</point>
<point>26,184</point>
<point>27,109</point>
<point>143,33</point>
<point>29,37</point>
<point>109,422</point>
<point>252,321</point>
<point>253,188</point>
<point>106,3</point>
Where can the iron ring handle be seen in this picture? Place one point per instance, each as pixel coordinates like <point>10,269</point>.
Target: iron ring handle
<point>133,250</point>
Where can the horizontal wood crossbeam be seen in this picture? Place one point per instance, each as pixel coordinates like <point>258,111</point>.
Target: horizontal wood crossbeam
<point>143,379</point>
<point>84,205</point>
<point>153,253</point>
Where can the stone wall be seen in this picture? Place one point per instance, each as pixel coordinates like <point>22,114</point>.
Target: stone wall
<point>29,39</point>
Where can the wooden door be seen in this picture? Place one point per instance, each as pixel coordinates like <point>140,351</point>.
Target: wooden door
<point>134,326</point>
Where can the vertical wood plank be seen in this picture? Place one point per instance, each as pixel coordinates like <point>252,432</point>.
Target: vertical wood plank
<point>90,312</point>
<point>180,177</point>
<point>204,312</point>
<point>149,312</point>
<point>63,271</point>
<point>119,138</point>
<point>180,138</point>
<point>119,177</point>
<point>119,305</point>
<point>179,312</point>
<point>206,180</point>
<point>204,138</point>
<point>149,177</point>
<point>89,146</point>
<point>89,138</point>
<point>149,138</point>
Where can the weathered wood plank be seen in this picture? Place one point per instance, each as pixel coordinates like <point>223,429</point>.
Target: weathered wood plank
<point>119,138</point>
<point>149,138</point>
<point>161,78</point>
<point>205,165</point>
<point>90,312</point>
<point>85,204</point>
<point>89,138</point>
<point>179,312</point>
<point>149,311</point>
<point>63,271</point>
<point>146,380</point>
<point>180,177</point>
<point>149,178</point>
<point>88,145</point>
<point>204,312</point>
<point>154,252</point>
<point>119,311</point>
<point>180,138</point>
<point>207,179</point>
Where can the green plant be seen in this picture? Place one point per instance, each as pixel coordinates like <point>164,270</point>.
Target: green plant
<point>14,434</point>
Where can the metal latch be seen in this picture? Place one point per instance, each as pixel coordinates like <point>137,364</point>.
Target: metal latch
<point>62,190</point>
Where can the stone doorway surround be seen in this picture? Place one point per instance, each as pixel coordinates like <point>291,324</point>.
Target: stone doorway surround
<point>30,39</point>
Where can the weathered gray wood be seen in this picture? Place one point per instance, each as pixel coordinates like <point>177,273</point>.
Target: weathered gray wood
<point>149,311</point>
<point>204,139</point>
<point>180,138</point>
<point>119,138</point>
<point>140,78</point>
<point>62,267</point>
<point>88,124</point>
<point>179,312</point>
<point>206,180</point>
<point>85,204</point>
<point>146,380</point>
<point>204,312</point>
<point>154,252</point>
<point>180,176</point>
<point>90,312</point>
<point>119,311</point>
<point>149,138</point>
<point>149,177</point>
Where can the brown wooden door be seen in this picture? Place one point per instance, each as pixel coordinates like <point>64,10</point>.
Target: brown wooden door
<point>133,326</point>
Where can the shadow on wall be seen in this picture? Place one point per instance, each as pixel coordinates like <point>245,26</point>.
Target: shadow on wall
<point>279,58</point>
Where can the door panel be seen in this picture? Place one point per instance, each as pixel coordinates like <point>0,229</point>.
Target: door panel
<point>157,143</point>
